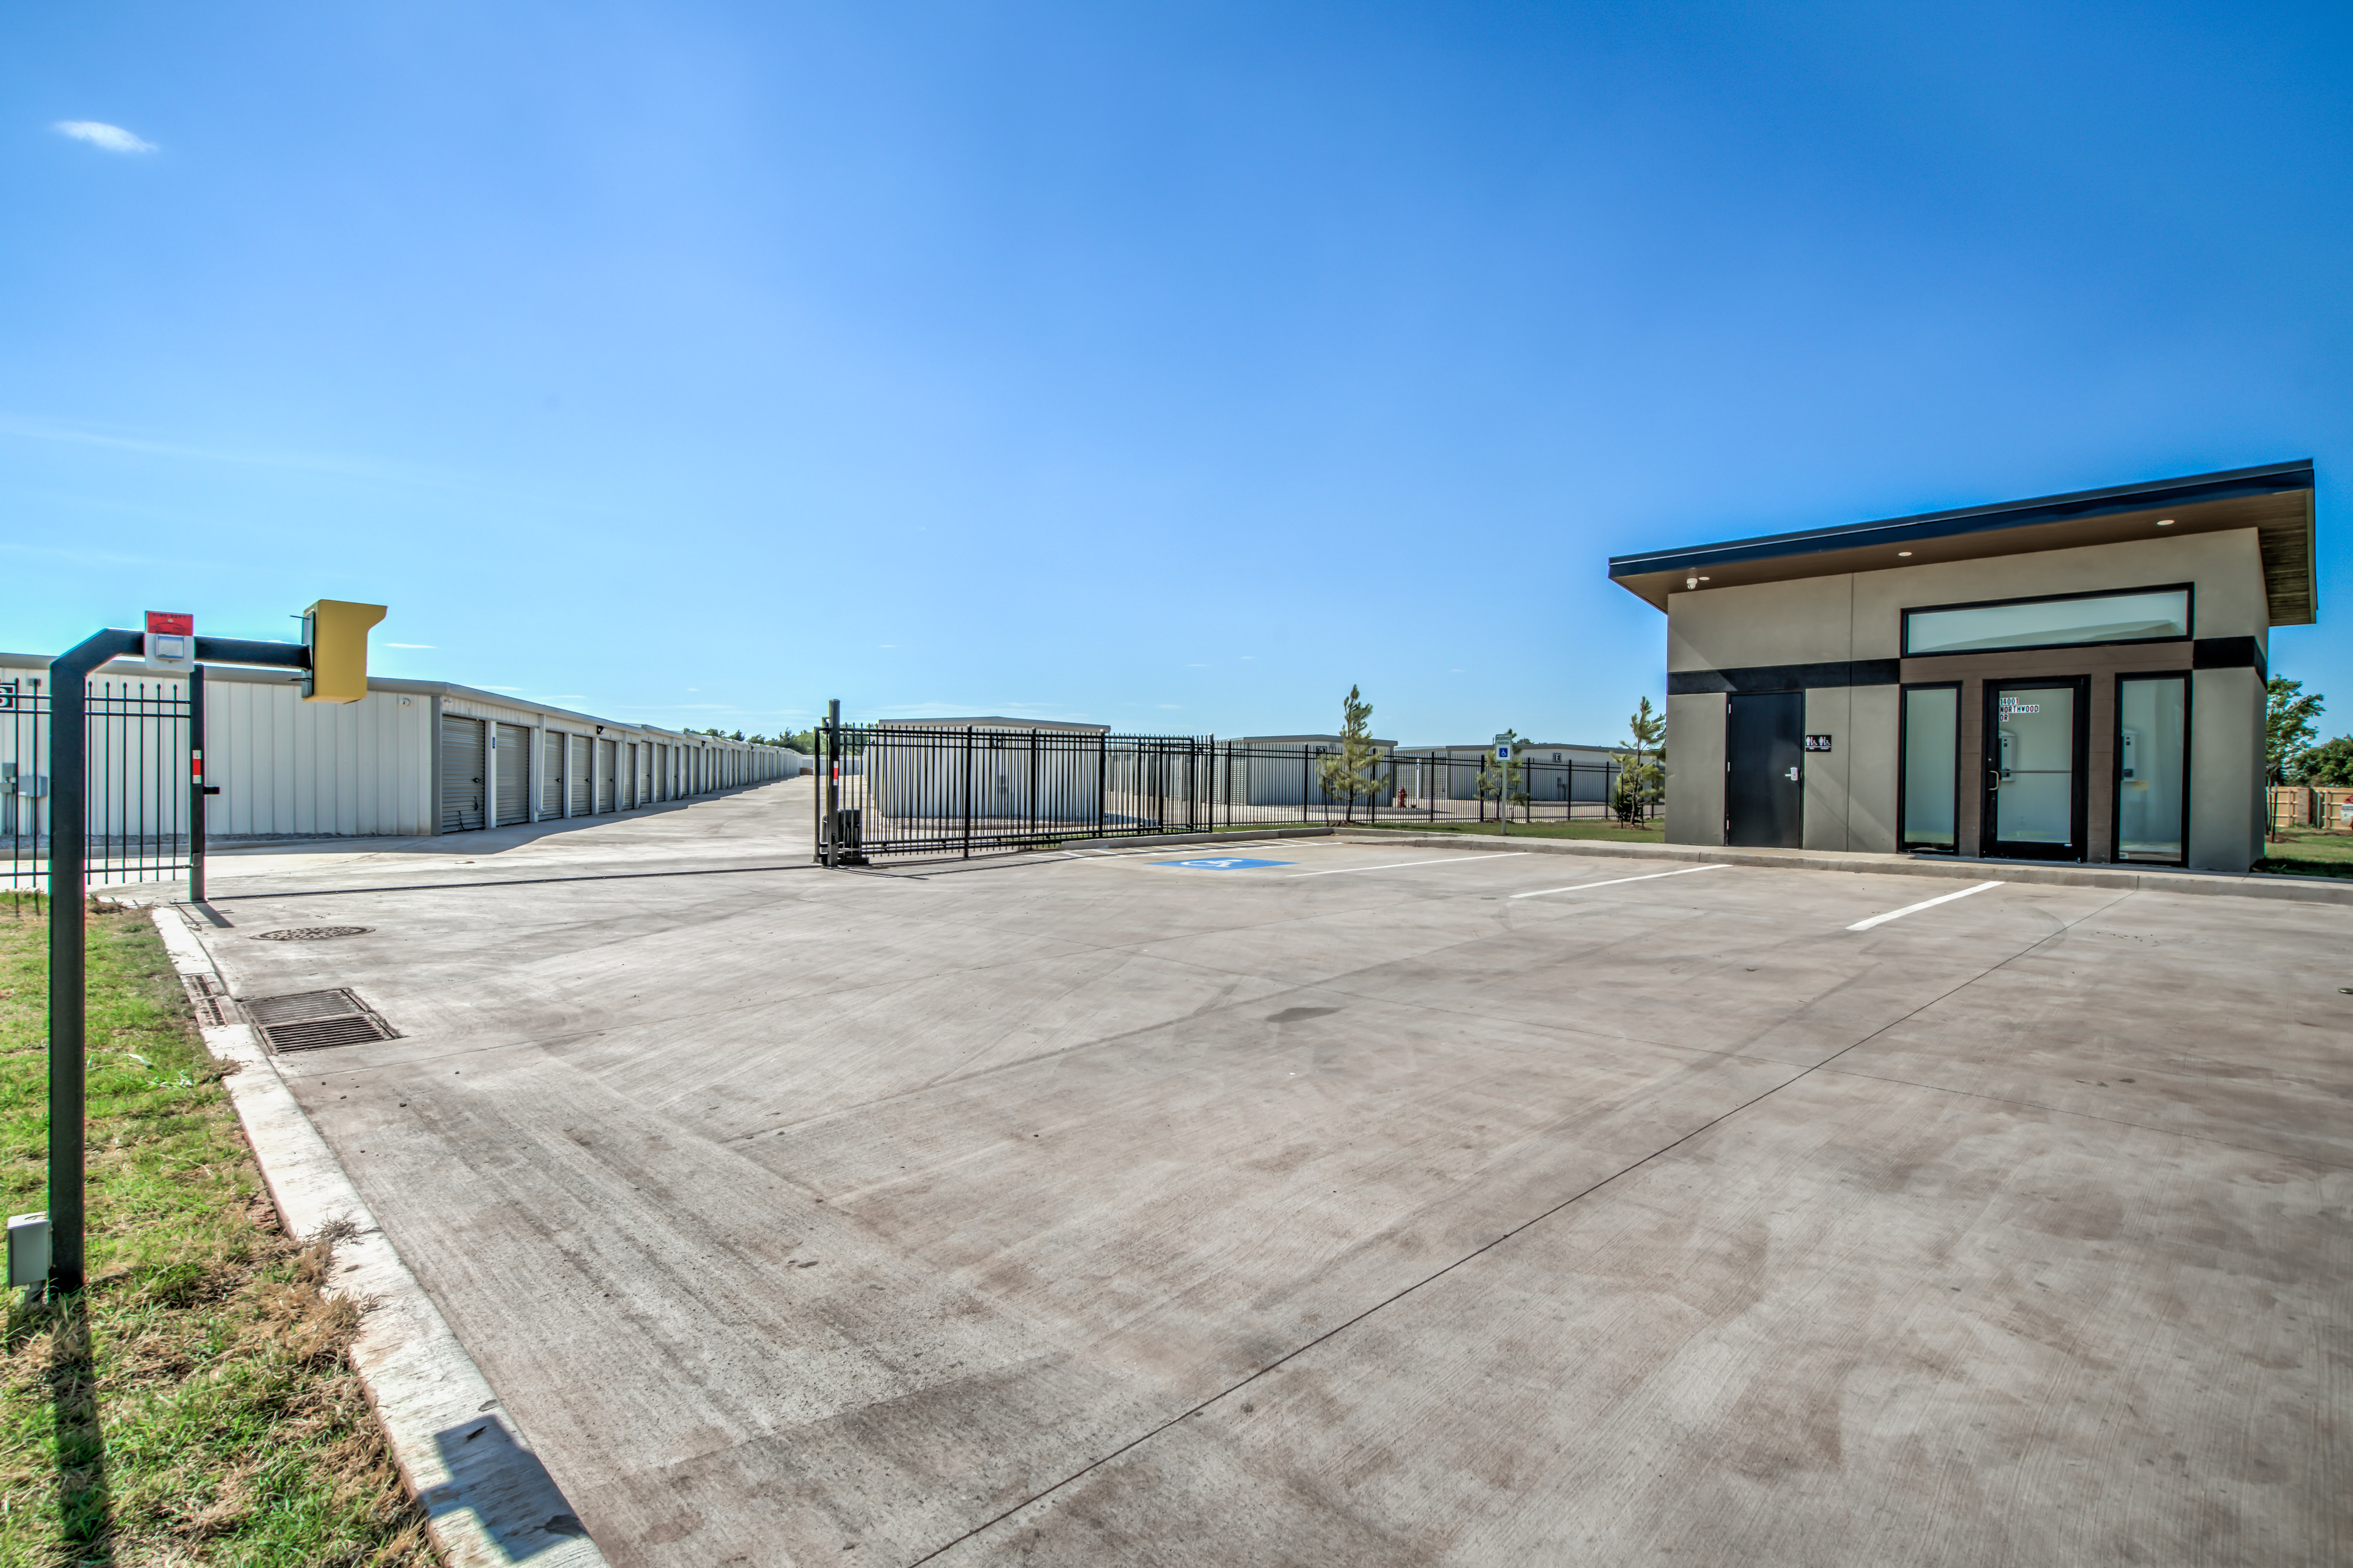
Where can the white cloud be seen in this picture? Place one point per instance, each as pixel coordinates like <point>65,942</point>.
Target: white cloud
<point>408,645</point>
<point>99,134</point>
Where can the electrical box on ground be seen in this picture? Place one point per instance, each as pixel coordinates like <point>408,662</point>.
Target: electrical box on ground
<point>335,631</point>
<point>29,1248</point>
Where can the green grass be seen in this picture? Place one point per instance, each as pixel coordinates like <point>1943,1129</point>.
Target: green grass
<point>2308,852</point>
<point>1610,831</point>
<point>194,1403</point>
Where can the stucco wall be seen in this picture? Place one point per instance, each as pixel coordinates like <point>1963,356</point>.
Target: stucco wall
<point>1851,791</point>
<point>1695,770</point>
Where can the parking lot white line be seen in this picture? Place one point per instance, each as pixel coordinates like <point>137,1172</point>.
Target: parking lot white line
<point>1915,909</point>
<point>1402,865</point>
<point>1646,876</point>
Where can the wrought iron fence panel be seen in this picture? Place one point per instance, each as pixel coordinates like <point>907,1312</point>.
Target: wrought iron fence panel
<point>137,796</point>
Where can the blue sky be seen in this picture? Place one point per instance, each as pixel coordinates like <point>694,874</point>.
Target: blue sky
<point>1175,368</point>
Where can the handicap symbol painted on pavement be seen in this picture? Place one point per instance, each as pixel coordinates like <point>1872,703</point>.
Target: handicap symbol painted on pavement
<point>1219,865</point>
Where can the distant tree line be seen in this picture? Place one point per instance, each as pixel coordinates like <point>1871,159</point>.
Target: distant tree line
<point>804,742</point>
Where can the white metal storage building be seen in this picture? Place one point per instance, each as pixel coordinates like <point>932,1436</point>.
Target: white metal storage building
<point>418,757</point>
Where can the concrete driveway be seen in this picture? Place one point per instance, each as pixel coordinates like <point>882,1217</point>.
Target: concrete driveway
<point>1381,1207</point>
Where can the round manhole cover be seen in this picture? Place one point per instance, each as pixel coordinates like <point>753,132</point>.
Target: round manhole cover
<point>312,933</point>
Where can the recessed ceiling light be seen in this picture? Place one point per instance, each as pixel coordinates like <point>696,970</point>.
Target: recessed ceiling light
<point>1903,552</point>
<point>2164,523</point>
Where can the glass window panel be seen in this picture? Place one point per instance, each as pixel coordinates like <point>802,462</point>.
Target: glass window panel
<point>2152,721</point>
<point>2034,786</point>
<point>1931,734</point>
<point>2111,618</point>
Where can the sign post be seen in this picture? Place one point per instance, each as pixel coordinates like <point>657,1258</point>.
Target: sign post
<point>1503,785</point>
<point>170,641</point>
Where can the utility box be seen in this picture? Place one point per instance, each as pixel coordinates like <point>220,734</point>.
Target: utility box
<point>29,1248</point>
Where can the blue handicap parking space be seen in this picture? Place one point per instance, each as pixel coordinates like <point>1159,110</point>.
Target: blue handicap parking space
<point>1219,865</point>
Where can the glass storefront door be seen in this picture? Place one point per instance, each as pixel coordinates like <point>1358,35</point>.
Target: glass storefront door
<point>2034,797</point>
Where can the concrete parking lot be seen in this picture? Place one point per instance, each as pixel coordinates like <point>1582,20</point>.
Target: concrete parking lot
<point>1384,1206</point>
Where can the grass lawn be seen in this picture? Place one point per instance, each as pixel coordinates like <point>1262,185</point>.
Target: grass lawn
<point>194,1404</point>
<point>2308,852</point>
<point>1654,833</point>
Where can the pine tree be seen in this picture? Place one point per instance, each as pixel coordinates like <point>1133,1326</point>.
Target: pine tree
<point>1349,773</point>
<point>1641,775</point>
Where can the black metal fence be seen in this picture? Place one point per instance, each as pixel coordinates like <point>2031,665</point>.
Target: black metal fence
<point>138,795</point>
<point>929,789</point>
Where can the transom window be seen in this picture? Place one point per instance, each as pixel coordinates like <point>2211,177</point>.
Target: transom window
<point>2140,615</point>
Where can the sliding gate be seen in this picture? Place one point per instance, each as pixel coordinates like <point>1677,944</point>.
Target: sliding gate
<point>936,789</point>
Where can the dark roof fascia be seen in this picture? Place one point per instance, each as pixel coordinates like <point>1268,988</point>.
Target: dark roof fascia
<point>2266,480</point>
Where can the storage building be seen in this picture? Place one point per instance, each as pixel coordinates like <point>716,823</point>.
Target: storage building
<point>412,757</point>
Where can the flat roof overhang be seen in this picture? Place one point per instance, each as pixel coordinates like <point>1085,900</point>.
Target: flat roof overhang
<point>2275,500</point>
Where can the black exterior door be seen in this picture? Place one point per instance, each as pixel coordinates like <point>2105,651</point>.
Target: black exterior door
<point>1764,770</point>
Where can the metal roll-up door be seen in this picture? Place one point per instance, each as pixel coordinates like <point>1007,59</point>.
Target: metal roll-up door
<point>511,771</point>
<point>661,774</point>
<point>608,776</point>
<point>464,757</point>
<point>583,780</point>
<point>551,775</point>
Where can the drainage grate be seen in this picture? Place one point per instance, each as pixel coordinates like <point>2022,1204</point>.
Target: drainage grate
<point>308,1020</point>
<point>205,997</point>
<point>312,933</point>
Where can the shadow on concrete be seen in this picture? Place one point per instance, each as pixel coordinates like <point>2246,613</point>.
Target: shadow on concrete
<point>516,1502</point>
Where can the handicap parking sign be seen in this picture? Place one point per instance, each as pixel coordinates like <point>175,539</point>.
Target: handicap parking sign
<point>1227,865</point>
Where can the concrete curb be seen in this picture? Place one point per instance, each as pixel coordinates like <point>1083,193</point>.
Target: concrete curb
<point>488,1501</point>
<point>2300,890</point>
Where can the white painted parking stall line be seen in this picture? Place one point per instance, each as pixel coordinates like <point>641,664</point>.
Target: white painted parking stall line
<point>1407,865</point>
<point>1915,909</point>
<point>1646,876</point>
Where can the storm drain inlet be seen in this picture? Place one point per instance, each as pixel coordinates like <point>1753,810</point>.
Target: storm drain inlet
<point>311,1020</point>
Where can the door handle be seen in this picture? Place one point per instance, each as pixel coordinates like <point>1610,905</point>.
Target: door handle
<point>1793,775</point>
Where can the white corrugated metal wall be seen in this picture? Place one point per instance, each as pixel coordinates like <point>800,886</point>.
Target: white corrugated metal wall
<point>291,768</point>
<point>287,768</point>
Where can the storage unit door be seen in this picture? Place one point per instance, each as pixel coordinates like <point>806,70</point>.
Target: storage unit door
<point>510,768</point>
<point>583,800</point>
<point>608,776</point>
<point>464,757</point>
<point>551,776</point>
